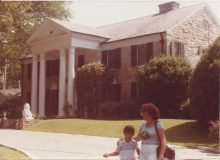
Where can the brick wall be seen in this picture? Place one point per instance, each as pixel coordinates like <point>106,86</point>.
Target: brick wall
<point>128,74</point>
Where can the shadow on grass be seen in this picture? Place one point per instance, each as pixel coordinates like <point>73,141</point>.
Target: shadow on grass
<point>189,133</point>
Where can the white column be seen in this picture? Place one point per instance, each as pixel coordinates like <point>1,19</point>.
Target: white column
<point>71,96</point>
<point>42,80</point>
<point>62,77</point>
<point>34,85</point>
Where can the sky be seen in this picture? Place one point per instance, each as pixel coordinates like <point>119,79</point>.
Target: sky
<point>96,13</point>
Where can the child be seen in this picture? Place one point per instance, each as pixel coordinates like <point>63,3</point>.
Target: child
<point>126,147</point>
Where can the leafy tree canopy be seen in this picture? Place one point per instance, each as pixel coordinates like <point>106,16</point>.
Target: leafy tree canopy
<point>18,20</point>
<point>92,85</point>
<point>204,86</point>
<point>164,82</point>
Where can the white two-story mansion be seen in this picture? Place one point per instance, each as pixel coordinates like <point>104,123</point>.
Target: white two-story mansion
<point>59,47</point>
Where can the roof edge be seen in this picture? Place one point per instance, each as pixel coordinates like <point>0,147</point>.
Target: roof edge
<point>180,22</point>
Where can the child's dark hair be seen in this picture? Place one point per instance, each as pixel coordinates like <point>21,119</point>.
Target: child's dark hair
<point>129,129</point>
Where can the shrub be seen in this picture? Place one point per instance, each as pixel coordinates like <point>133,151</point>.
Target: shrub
<point>214,130</point>
<point>13,108</point>
<point>164,82</point>
<point>128,109</point>
<point>92,83</point>
<point>108,110</point>
<point>204,86</point>
<point>67,109</point>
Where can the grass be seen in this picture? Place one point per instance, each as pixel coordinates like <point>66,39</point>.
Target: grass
<point>181,132</point>
<point>8,153</point>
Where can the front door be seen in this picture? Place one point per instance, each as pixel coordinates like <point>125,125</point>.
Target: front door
<point>51,108</point>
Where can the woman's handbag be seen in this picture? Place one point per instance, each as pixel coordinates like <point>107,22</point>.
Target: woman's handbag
<point>169,153</point>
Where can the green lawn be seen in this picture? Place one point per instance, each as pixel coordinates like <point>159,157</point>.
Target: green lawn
<point>9,154</point>
<point>181,132</point>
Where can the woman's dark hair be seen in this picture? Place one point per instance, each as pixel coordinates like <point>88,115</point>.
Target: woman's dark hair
<point>152,110</point>
<point>129,129</point>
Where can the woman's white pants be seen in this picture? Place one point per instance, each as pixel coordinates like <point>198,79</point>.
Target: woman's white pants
<point>148,152</point>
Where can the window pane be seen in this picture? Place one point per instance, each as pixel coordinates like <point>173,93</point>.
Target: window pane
<point>29,71</point>
<point>104,57</point>
<point>142,54</point>
<point>52,68</point>
<point>114,58</point>
<point>177,49</point>
<point>149,51</point>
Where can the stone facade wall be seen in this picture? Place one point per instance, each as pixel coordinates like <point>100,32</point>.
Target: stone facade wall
<point>197,33</point>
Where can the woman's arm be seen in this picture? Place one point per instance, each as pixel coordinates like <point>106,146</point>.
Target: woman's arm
<point>138,138</point>
<point>161,133</point>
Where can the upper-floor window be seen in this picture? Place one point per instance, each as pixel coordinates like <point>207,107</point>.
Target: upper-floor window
<point>81,60</point>
<point>29,71</point>
<point>52,68</point>
<point>112,58</point>
<point>141,54</point>
<point>176,49</point>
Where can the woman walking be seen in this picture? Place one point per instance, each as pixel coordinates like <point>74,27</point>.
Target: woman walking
<point>148,134</point>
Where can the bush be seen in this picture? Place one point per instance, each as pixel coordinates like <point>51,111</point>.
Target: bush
<point>13,108</point>
<point>67,109</point>
<point>108,110</point>
<point>126,109</point>
<point>204,86</point>
<point>92,83</point>
<point>214,130</point>
<point>164,82</point>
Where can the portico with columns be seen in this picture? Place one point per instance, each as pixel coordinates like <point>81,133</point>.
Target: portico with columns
<point>54,43</point>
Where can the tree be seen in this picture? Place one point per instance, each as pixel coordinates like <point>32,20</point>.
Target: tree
<point>204,86</point>
<point>164,82</point>
<point>18,20</point>
<point>92,84</point>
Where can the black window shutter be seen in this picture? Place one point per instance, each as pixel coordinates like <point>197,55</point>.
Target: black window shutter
<point>118,51</point>
<point>134,55</point>
<point>48,69</point>
<point>104,57</point>
<point>29,70</point>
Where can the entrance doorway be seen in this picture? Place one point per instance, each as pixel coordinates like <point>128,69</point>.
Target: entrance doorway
<point>51,102</point>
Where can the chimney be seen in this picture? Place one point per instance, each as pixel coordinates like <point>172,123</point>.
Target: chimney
<point>169,6</point>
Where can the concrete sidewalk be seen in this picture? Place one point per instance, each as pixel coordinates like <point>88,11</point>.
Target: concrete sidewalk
<point>45,145</point>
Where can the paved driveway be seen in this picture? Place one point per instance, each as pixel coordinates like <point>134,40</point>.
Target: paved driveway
<point>45,145</point>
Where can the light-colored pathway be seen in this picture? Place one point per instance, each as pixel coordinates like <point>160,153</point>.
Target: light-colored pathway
<point>45,145</point>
